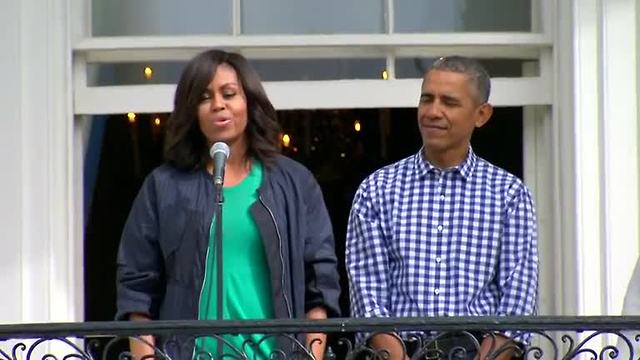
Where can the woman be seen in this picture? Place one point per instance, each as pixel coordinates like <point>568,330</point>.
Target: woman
<point>278,243</point>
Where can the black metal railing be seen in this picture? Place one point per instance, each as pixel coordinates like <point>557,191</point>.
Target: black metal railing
<point>429,338</point>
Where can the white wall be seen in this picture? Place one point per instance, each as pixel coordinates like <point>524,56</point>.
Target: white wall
<point>620,148</point>
<point>40,268</point>
<point>606,151</point>
<point>11,162</point>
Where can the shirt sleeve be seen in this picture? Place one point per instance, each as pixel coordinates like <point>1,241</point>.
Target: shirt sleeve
<point>140,278</point>
<point>321,271</point>
<point>518,266</point>
<point>366,258</point>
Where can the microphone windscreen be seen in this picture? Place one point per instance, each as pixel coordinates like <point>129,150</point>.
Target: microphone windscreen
<point>219,147</point>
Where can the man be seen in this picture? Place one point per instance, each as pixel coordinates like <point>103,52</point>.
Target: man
<point>443,232</point>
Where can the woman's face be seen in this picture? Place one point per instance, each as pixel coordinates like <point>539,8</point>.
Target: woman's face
<point>222,112</point>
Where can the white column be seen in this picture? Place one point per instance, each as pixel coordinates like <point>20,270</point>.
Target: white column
<point>560,259</point>
<point>589,173</point>
<point>619,126</point>
<point>607,206</point>
<point>41,265</point>
<point>11,182</point>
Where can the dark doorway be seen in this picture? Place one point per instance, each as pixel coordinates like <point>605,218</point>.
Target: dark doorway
<point>326,141</point>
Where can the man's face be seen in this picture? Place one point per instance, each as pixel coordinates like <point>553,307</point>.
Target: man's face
<point>448,111</point>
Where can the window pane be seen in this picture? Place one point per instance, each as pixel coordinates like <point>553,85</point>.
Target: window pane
<point>413,68</point>
<point>160,17</point>
<point>462,15</point>
<point>134,73</point>
<point>319,69</point>
<point>269,70</point>
<point>312,16</point>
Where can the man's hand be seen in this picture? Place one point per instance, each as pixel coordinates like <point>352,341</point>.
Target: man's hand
<point>317,342</point>
<point>139,349</point>
<point>390,343</point>
<point>490,344</point>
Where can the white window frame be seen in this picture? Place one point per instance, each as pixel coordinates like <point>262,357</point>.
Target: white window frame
<point>534,92</point>
<point>310,94</point>
<point>571,148</point>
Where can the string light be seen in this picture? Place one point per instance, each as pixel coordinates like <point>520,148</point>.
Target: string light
<point>148,72</point>
<point>286,140</point>
<point>132,117</point>
<point>385,74</point>
<point>156,121</point>
<point>356,126</point>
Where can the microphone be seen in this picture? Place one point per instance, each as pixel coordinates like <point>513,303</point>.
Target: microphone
<point>219,152</point>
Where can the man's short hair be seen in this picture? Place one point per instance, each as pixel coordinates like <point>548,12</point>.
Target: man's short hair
<point>472,68</point>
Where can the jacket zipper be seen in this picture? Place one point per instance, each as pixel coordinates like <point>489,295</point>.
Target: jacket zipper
<point>206,261</point>
<point>284,292</point>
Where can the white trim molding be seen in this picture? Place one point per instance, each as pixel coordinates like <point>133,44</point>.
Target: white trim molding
<point>287,95</point>
<point>125,48</point>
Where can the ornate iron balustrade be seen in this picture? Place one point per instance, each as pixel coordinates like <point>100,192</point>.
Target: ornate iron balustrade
<point>546,337</point>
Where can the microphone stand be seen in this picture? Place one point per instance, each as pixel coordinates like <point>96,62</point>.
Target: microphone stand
<point>219,153</point>
<point>218,254</point>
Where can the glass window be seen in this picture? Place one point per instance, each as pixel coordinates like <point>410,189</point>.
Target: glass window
<point>415,67</point>
<point>414,16</point>
<point>270,70</point>
<point>312,16</point>
<point>122,152</point>
<point>160,17</point>
<point>134,73</point>
<point>318,69</point>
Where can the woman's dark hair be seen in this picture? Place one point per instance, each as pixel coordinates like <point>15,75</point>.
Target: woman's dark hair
<point>185,146</point>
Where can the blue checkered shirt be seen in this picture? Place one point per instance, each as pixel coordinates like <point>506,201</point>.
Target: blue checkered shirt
<point>422,241</point>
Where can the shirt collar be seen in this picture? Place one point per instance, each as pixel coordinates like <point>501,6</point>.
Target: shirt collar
<point>465,168</point>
